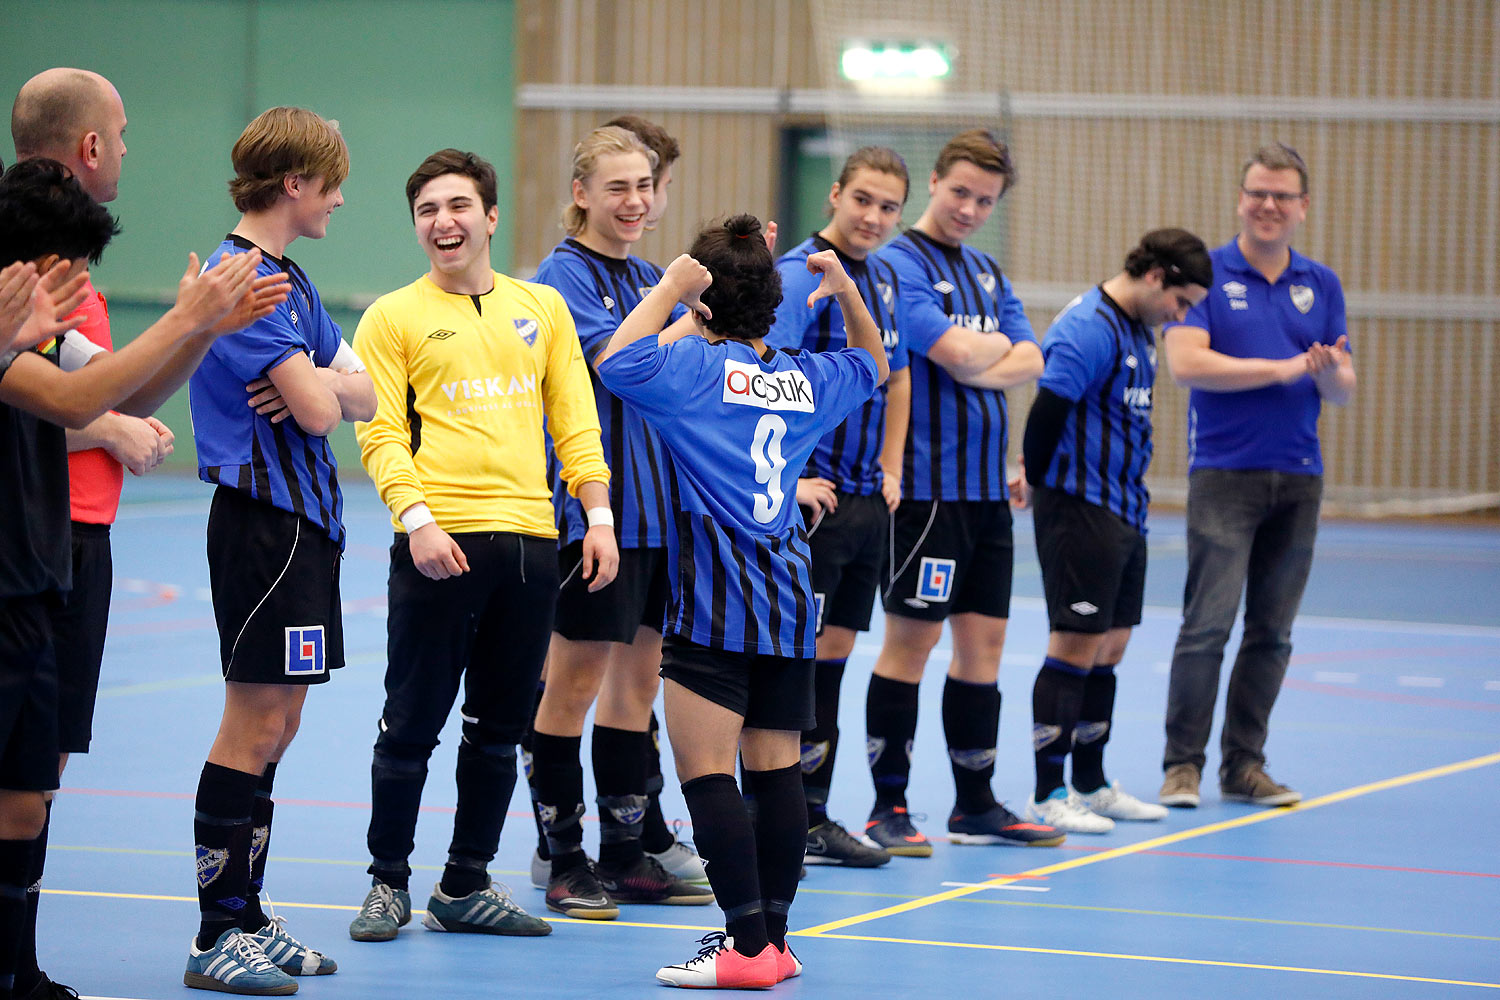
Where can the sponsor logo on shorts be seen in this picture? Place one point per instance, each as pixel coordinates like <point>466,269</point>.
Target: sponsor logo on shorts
<point>973,760</point>
<point>441,334</point>
<point>1083,608</point>
<point>813,756</point>
<point>935,579</point>
<point>211,864</point>
<point>913,602</point>
<point>304,651</point>
<point>526,329</point>
<point>748,385</point>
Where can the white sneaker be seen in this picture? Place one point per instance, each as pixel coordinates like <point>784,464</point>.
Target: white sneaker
<point>1112,802</point>
<point>682,861</point>
<point>1064,809</point>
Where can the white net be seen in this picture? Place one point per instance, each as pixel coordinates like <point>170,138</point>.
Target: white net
<point>1127,116</point>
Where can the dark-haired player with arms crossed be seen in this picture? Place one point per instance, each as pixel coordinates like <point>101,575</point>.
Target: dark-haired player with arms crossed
<point>1086,450</point>
<point>952,553</point>
<point>739,421</point>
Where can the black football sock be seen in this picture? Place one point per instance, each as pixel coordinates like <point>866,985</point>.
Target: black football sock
<point>890,728</point>
<point>655,836</point>
<point>28,974</point>
<point>528,739</point>
<point>620,779</point>
<point>15,862</point>
<point>820,744</point>
<point>1056,700</point>
<point>221,834</point>
<point>721,829</point>
<point>557,776</point>
<point>971,723</point>
<point>261,810</point>
<point>780,842</point>
<point>1093,727</point>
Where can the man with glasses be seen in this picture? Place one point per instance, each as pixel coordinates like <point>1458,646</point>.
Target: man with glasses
<point>1261,353</point>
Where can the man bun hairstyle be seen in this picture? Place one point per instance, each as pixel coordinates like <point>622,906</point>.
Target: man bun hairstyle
<point>746,288</point>
<point>982,148</point>
<point>44,210</point>
<point>604,141</point>
<point>454,161</point>
<point>1181,256</point>
<point>280,143</point>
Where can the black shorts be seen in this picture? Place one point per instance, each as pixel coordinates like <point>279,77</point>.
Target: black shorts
<point>769,692</point>
<point>28,695</point>
<point>950,557</point>
<point>637,596</point>
<point>275,582</point>
<point>78,627</point>
<point>848,550</point>
<point>1093,564</point>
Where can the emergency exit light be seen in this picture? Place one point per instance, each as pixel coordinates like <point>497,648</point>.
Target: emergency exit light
<point>894,61</point>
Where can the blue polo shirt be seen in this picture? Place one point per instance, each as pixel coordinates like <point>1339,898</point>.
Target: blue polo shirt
<point>1274,427</point>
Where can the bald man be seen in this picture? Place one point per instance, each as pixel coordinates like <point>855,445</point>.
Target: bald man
<point>76,117</point>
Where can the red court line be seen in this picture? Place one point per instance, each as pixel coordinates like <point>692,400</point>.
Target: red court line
<point>1289,861</point>
<point>1389,696</point>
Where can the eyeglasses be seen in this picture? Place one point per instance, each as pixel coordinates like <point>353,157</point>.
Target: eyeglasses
<point>1282,198</point>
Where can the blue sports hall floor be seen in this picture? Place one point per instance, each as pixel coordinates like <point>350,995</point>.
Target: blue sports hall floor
<point>1385,882</point>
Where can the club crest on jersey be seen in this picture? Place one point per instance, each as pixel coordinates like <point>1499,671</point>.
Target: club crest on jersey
<point>813,756</point>
<point>526,329</point>
<point>987,282</point>
<point>1302,298</point>
<point>887,293</point>
<point>304,651</point>
<point>943,287</point>
<point>211,864</point>
<point>749,385</point>
<point>935,579</point>
<point>609,303</point>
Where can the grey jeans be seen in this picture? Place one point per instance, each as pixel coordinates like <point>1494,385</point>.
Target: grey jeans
<point>1249,531</point>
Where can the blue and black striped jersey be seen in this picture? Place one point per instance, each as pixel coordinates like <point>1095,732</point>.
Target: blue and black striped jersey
<point>739,428</point>
<point>278,463</point>
<point>956,441</point>
<point>1105,363</point>
<point>600,292</point>
<point>850,455</point>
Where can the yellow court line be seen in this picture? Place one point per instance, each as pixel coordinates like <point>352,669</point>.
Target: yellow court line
<point>1154,843</point>
<point>1165,960</point>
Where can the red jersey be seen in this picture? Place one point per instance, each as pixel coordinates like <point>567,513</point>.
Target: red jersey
<point>94,477</point>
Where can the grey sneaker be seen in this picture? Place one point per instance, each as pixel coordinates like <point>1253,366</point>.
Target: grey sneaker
<point>1180,787</point>
<point>484,911</point>
<point>1252,784</point>
<point>681,860</point>
<point>541,870</point>
<point>383,913</point>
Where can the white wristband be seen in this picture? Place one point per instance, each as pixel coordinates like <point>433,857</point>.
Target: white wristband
<point>416,516</point>
<point>600,515</point>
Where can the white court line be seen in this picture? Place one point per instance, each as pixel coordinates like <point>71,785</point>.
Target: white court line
<point>1409,681</point>
<point>983,885</point>
<point>1335,677</point>
<point>1492,685</point>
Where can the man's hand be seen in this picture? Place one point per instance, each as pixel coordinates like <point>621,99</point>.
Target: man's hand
<point>817,494</point>
<point>136,444</point>
<point>266,400</point>
<point>17,282</point>
<point>204,299</point>
<point>890,490</point>
<point>601,556</point>
<point>1020,489</point>
<point>55,296</point>
<point>1332,370</point>
<point>834,279</point>
<point>261,299</point>
<point>435,553</point>
<point>688,280</point>
<point>1295,367</point>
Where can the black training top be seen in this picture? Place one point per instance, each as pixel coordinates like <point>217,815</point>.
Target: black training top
<point>35,536</point>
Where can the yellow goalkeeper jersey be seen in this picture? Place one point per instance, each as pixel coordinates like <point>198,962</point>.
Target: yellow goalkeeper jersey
<point>464,383</point>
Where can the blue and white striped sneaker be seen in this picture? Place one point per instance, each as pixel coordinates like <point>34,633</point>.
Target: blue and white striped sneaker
<point>483,911</point>
<point>290,955</point>
<point>236,964</point>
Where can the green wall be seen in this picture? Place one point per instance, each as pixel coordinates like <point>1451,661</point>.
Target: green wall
<point>402,79</point>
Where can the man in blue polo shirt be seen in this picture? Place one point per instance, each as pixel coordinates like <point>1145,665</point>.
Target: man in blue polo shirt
<point>1261,353</point>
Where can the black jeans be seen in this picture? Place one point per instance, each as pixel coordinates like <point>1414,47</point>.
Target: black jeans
<point>490,628</point>
<point>1249,531</point>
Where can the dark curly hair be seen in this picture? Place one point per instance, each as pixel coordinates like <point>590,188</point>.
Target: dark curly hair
<point>1182,257</point>
<point>44,210</point>
<point>746,288</point>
